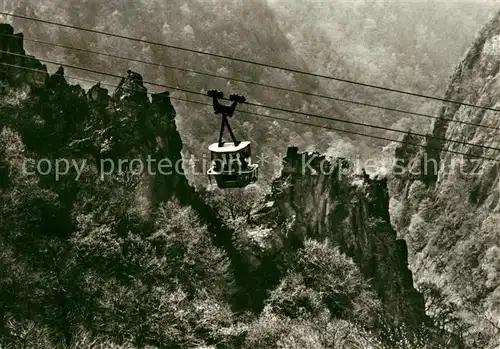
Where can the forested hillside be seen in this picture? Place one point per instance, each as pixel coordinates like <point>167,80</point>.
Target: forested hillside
<point>130,259</point>
<point>406,45</point>
<point>446,205</point>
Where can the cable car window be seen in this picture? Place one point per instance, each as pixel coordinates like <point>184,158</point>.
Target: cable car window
<point>228,178</point>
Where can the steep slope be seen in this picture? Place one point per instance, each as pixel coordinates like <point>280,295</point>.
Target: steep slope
<point>445,205</point>
<point>318,199</point>
<point>94,123</point>
<point>84,249</point>
<point>360,41</point>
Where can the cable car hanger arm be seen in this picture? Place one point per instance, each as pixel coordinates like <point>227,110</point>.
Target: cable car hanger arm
<point>226,111</point>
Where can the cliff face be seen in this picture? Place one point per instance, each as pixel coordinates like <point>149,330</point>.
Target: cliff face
<point>445,205</point>
<point>318,199</point>
<point>55,118</point>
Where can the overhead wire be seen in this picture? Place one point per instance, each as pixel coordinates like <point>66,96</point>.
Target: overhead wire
<point>343,100</point>
<point>262,105</point>
<point>280,119</point>
<point>242,60</point>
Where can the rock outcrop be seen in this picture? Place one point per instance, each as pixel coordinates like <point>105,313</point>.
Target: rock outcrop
<point>56,117</point>
<point>446,205</point>
<point>322,199</point>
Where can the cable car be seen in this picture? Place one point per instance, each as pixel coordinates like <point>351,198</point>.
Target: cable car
<point>231,165</point>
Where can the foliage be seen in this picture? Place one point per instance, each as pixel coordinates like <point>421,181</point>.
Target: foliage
<point>322,277</point>
<point>82,266</point>
<point>235,203</point>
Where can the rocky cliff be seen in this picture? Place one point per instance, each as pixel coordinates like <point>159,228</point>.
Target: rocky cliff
<point>323,199</point>
<point>55,117</point>
<point>446,206</point>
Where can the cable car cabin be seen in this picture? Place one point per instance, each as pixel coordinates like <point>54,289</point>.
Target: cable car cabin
<point>231,162</point>
<point>232,165</point>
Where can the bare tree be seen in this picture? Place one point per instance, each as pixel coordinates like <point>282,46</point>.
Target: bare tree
<point>237,203</point>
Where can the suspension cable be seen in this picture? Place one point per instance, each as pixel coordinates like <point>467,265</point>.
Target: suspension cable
<point>280,119</point>
<point>101,32</point>
<point>266,106</point>
<point>343,100</point>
